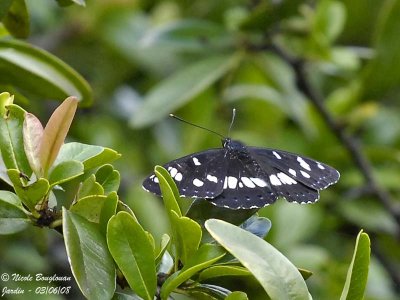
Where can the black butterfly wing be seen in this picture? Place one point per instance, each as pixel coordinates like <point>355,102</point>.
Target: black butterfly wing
<point>245,186</point>
<point>295,177</point>
<point>199,175</point>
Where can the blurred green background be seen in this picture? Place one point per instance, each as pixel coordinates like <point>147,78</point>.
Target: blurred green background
<point>200,59</point>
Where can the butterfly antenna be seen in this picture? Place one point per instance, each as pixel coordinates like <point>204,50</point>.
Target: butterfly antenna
<point>195,125</point>
<point>233,119</point>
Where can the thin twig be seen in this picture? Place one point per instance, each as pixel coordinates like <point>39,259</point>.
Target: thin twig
<point>351,145</point>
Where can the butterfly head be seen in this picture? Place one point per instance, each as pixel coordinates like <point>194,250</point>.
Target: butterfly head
<point>232,145</point>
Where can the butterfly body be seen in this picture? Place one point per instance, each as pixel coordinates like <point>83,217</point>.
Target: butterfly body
<point>237,176</point>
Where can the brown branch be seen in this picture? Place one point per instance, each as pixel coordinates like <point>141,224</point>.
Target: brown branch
<point>348,141</point>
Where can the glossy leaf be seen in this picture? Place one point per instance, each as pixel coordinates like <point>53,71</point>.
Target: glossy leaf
<point>17,19</point>
<point>11,140</point>
<point>65,171</point>
<point>91,156</point>
<point>108,178</point>
<point>205,256</point>
<point>91,263</point>
<point>223,270</point>
<point>169,190</point>
<point>357,275</point>
<point>30,194</point>
<point>12,217</point>
<point>278,276</point>
<point>186,237</point>
<point>39,72</point>
<point>90,187</point>
<point>55,132</point>
<point>181,87</point>
<point>90,207</point>
<point>108,209</point>
<point>33,134</point>
<point>133,253</point>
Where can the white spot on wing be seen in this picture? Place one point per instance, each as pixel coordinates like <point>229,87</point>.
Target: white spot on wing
<point>232,181</point>
<point>276,155</point>
<point>274,180</point>
<point>196,161</point>
<point>259,182</point>
<point>293,172</point>
<point>212,178</point>
<point>321,166</point>
<point>173,172</point>
<point>305,174</point>
<point>286,179</point>
<point>247,182</point>
<point>303,163</point>
<point>155,179</point>
<point>226,182</point>
<point>240,184</point>
<point>198,182</point>
<point>178,177</point>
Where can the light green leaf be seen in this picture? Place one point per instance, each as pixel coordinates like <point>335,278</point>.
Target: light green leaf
<point>41,73</point>
<point>278,276</point>
<point>30,194</point>
<point>181,87</point>
<point>17,19</point>
<point>186,237</point>
<point>55,132</point>
<point>357,275</point>
<point>90,187</point>
<point>12,218</point>
<point>223,270</point>
<point>65,171</point>
<point>11,140</point>
<point>133,253</point>
<point>169,191</point>
<point>205,256</point>
<point>90,207</point>
<point>237,296</point>
<point>108,178</point>
<point>33,134</point>
<point>5,100</point>
<point>90,155</point>
<point>165,241</point>
<point>91,263</point>
<point>108,209</point>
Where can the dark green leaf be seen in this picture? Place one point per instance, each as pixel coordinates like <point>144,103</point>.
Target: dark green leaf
<point>169,191</point>
<point>17,19</point>
<point>357,275</point>
<point>12,217</point>
<point>133,253</point>
<point>278,276</point>
<point>91,263</point>
<point>90,187</point>
<point>90,207</point>
<point>108,210</point>
<point>223,270</point>
<point>65,171</point>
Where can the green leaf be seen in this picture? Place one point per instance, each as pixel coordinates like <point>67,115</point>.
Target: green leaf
<point>278,276</point>
<point>386,58</point>
<point>108,178</point>
<point>165,241</point>
<point>108,210</point>
<point>32,135</point>
<point>17,19</point>
<point>11,140</point>
<point>91,156</point>
<point>90,207</point>
<point>90,187</point>
<point>4,7</point>
<point>237,296</point>
<point>65,171</point>
<point>169,191</point>
<point>357,275</point>
<point>186,237</point>
<point>5,100</point>
<point>30,194</point>
<point>12,218</point>
<point>55,132</point>
<point>329,20</point>
<point>39,72</point>
<point>181,87</point>
<point>91,263</point>
<point>205,256</point>
<point>133,253</point>
<point>223,270</point>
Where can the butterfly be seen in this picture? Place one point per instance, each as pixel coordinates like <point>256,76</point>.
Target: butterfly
<point>237,176</point>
